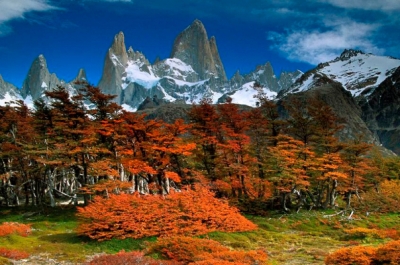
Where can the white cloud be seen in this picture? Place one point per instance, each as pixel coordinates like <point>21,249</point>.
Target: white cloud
<point>318,46</point>
<point>16,9</point>
<point>383,5</point>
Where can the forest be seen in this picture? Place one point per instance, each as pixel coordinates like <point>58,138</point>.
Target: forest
<point>129,177</point>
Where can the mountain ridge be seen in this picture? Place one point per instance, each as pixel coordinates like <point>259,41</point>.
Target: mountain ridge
<point>194,70</point>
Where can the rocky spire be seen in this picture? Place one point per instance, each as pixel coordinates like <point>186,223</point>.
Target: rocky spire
<point>193,48</point>
<point>118,48</point>
<point>114,67</point>
<point>39,79</point>
<point>264,74</point>
<point>217,60</point>
<point>81,75</point>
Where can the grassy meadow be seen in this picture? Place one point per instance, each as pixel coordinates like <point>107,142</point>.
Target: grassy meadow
<point>298,238</point>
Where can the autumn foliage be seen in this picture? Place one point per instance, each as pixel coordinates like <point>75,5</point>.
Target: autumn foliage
<point>388,253</point>
<point>204,251</point>
<point>11,228</point>
<point>190,212</point>
<point>13,253</point>
<point>384,199</point>
<point>134,258</point>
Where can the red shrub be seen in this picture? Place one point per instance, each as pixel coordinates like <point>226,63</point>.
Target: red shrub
<point>185,213</point>
<point>132,258</point>
<point>10,228</point>
<point>13,254</point>
<point>204,251</point>
<point>389,253</point>
<point>185,249</point>
<point>359,255</point>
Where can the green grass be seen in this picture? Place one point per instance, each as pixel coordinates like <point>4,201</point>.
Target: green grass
<point>303,238</point>
<point>53,233</point>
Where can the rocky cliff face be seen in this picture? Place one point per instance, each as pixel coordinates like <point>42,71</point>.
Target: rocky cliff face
<point>381,111</point>
<point>39,79</point>
<point>193,47</point>
<point>115,63</point>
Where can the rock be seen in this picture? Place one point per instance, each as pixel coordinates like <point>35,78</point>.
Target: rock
<point>193,48</point>
<point>115,63</point>
<point>39,79</point>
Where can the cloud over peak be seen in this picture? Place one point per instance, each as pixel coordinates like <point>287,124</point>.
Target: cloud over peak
<point>324,44</point>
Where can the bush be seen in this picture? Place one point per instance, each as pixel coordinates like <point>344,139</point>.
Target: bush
<point>359,255</point>
<point>191,212</point>
<point>123,258</point>
<point>361,233</point>
<point>388,253</point>
<point>387,200</point>
<point>13,253</point>
<point>10,228</point>
<point>204,251</point>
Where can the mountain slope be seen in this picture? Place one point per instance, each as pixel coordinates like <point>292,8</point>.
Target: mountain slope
<point>358,72</point>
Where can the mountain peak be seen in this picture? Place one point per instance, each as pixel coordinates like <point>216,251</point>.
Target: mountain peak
<point>118,46</point>
<point>348,53</point>
<point>197,23</point>
<point>193,47</point>
<point>38,79</point>
<point>81,75</point>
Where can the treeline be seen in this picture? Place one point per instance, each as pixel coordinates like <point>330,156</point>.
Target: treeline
<point>75,146</point>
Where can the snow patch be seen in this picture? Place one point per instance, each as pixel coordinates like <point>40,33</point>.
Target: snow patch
<point>246,95</point>
<point>128,108</point>
<point>177,64</point>
<point>361,71</point>
<point>135,75</point>
<point>8,99</point>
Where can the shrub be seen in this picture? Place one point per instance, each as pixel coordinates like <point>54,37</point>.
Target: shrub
<point>361,232</point>
<point>185,249</point>
<point>191,212</point>
<point>204,251</point>
<point>13,253</point>
<point>359,255</point>
<point>10,228</point>
<point>387,200</point>
<point>134,257</point>
<point>389,253</point>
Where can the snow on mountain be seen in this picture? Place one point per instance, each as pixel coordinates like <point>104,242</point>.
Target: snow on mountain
<point>246,95</point>
<point>8,98</point>
<point>358,72</point>
<point>136,75</point>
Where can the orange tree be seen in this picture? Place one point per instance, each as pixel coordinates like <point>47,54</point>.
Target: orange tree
<point>16,138</point>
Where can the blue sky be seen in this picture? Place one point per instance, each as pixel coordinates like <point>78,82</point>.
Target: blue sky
<point>291,34</point>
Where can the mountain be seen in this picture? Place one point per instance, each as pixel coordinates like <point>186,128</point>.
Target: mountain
<point>193,47</point>
<point>343,105</point>
<point>39,79</point>
<point>358,72</point>
<point>381,111</point>
<point>193,71</point>
<point>373,83</point>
